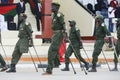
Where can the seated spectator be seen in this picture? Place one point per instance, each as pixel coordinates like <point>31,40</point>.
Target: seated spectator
<point>90,7</point>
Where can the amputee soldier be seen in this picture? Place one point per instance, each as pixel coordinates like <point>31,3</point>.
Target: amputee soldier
<point>74,46</point>
<point>100,33</point>
<point>22,45</point>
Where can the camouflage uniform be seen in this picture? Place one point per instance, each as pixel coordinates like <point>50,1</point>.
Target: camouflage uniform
<point>22,45</point>
<point>100,33</point>
<point>57,27</point>
<point>75,45</point>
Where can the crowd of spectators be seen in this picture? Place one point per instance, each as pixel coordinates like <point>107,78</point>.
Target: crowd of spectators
<point>109,10</point>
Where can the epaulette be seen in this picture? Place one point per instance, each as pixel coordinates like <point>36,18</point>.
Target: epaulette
<point>77,29</point>
<point>103,24</point>
<point>59,14</point>
<point>27,23</point>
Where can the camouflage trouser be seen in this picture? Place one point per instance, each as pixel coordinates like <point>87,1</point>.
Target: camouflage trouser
<point>117,48</point>
<point>77,54</point>
<point>97,50</point>
<point>20,48</point>
<point>53,50</point>
<point>2,62</point>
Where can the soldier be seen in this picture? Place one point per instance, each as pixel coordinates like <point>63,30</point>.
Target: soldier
<point>57,27</point>
<point>25,37</point>
<point>117,46</point>
<point>100,33</point>
<point>3,64</point>
<point>75,42</point>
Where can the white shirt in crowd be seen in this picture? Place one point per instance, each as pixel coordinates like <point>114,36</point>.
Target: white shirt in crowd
<point>111,12</point>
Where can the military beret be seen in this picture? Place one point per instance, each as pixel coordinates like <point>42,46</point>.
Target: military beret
<point>56,4</point>
<point>23,15</point>
<point>72,21</point>
<point>99,17</point>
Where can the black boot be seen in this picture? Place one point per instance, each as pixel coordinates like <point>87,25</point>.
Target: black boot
<point>93,68</point>
<point>87,65</point>
<point>115,68</point>
<point>4,68</point>
<point>12,68</point>
<point>66,67</point>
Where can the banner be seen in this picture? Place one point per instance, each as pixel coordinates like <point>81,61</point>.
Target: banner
<point>8,9</point>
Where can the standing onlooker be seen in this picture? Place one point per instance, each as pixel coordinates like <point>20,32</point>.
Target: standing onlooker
<point>104,10</point>
<point>111,15</point>
<point>58,28</point>
<point>100,32</point>
<point>38,14</point>
<point>22,45</point>
<point>114,3</point>
<point>20,8</point>
<point>98,6</point>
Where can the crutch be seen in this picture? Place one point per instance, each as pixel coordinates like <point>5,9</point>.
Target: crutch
<point>71,64</point>
<point>78,58</point>
<point>33,61</point>
<point>38,58</point>
<point>106,61</point>
<point>3,47</point>
<point>114,49</point>
<point>86,54</point>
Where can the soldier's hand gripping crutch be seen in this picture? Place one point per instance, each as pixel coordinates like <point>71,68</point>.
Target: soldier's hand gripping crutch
<point>32,45</point>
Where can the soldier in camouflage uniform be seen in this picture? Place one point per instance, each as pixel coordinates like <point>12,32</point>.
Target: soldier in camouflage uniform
<point>100,32</point>
<point>57,27</point>
<point>22,45</point>
<point>117,46</point>
<point>75,45</point>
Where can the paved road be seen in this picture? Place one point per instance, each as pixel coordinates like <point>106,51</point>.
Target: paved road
<point>29,73</point>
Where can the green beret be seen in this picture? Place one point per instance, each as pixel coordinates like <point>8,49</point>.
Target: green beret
<point>99,17</point>
<point>56,4</point>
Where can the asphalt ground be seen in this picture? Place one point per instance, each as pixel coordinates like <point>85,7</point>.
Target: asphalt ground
<point>28,72</point>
